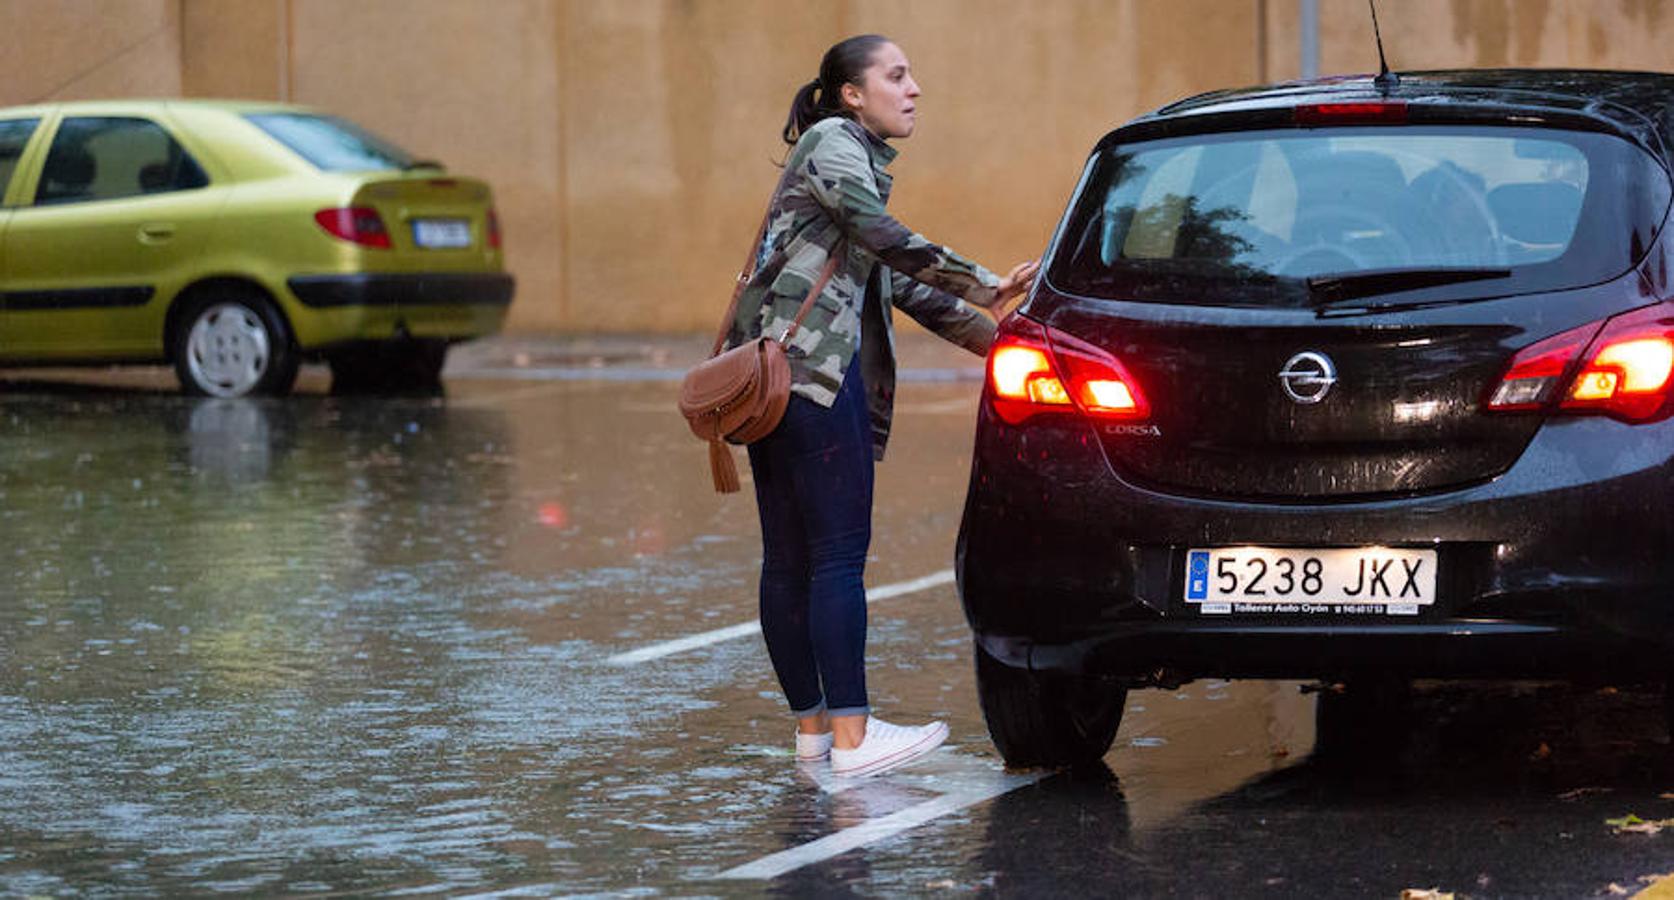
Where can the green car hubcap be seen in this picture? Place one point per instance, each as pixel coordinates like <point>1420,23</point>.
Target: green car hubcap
<point>227,350</point>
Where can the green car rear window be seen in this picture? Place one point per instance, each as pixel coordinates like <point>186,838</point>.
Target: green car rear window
<point>332,144</point>
<point>14,134</point>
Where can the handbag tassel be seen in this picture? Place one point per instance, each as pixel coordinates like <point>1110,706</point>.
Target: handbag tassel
<point>721,467</point>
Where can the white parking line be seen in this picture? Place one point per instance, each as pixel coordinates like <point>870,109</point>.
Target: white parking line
<point>745,629</point>
<point>978,781</point>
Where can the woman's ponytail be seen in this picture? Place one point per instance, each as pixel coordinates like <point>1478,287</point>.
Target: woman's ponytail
<point>804,111</point>
<point>845,63</point>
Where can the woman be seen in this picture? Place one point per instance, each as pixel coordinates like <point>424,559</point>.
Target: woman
<point>813,474</point>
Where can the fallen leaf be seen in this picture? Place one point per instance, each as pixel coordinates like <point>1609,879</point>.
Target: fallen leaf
<point>1541,752</point>
<point>1580,792</point>
<point>1632,824</point>
<point>1425,894</point>
<point>1652,879</point>
<point>1617,889</point>
<point>945,884</point>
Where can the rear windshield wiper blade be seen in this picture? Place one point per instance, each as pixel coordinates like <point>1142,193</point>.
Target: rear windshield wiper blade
<point>1332,287</point>
<point>422,164</point>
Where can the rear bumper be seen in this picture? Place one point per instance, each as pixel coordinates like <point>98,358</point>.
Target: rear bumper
<point>1168,651</point>
<point>1563,565</point>
<point>421,289</point>
<point>334,310</point>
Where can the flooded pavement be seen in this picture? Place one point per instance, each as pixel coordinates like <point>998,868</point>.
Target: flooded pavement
<point>428,646</point>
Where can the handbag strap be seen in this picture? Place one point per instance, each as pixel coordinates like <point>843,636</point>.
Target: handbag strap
<point>748,272</point>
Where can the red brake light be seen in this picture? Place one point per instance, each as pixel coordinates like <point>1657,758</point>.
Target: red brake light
<point>1629,367</point>
<point>1021,373</point>
<point>1392,112</point>
<point>1098,382</point>
<point>1626,369</point>
<point>1034,369</point>
<point>494,229</point>
<point>359,224</point>
<point>1536,372</point>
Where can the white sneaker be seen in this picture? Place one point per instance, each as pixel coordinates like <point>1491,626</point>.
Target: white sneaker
<point>887,747</point>
<point>812,747</point>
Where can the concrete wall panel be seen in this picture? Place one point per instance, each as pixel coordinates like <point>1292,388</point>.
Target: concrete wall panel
<point>233,48</point>
<point>85,49</point>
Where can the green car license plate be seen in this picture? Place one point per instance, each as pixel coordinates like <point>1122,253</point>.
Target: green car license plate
<point>441,234</point>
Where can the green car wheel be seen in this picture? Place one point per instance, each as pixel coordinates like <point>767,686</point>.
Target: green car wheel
<point>233,345</point>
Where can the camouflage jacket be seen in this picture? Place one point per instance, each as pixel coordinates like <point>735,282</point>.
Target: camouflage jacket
<point>832,195</point>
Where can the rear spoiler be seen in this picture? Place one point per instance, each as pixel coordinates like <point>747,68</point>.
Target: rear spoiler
<point>1426,110</point>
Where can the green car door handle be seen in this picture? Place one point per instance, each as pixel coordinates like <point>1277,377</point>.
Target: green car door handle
<point>156,233</point>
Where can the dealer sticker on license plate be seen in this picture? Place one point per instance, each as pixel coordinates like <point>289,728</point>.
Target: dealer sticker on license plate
<point>1347,581</point>
<point>441,234</point>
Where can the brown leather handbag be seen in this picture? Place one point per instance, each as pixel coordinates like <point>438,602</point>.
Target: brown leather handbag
<point>740,395</point>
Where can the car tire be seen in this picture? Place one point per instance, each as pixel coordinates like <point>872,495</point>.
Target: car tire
<point>402,367</point>
<point>1040,719</point>
<point>233,343</point>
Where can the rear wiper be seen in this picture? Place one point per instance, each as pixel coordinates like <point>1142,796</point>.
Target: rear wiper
<point>422,164</point>
<point>1330,288</point>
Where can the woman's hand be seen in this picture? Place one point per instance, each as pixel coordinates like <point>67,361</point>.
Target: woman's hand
<point>1015,284</point>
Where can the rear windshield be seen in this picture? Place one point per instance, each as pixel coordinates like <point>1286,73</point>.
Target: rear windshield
<point>1249,218</point>
<point>332,144</point>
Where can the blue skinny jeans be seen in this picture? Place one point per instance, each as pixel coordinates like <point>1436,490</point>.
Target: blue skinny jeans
<point>813,478</point>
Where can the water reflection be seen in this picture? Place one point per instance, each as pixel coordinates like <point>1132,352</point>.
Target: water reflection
<point>237,440</point>
<point>343,643</point>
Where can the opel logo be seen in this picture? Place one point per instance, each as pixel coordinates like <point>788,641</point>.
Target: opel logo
<point>1308,376</point>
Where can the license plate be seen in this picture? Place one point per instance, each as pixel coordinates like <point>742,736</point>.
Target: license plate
<point>441,234</point>
<point>1348,580</point>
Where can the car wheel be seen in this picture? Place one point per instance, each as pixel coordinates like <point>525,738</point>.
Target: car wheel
<point>233,344</point>
<point>412,366</point>
<point>1046,719</point>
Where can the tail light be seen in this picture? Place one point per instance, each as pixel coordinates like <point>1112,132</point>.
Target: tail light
<point>493,229</point>
<point>1625,369</point>
<point>358,224</point>
<point>1034,369</point>
<point>1537,371</point>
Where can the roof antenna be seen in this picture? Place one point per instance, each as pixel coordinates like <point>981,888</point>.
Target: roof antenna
<point>1386,80</point>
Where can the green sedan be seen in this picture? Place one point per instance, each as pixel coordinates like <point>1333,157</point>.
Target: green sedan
<point>233,240</point>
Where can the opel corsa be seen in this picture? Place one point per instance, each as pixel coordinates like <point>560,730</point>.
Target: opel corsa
<point>234,240</point>
<point>1349,379</point>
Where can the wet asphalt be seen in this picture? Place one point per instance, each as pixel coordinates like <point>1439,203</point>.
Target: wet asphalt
<point>348,645</point>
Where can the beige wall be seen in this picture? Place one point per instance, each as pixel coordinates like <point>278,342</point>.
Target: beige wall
<point>81,49</point>
<point>631,142</point>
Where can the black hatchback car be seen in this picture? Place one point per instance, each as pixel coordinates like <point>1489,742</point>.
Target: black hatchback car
<point>1345,379</point>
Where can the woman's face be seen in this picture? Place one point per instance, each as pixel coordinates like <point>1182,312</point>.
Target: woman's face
<point>884,101</point>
